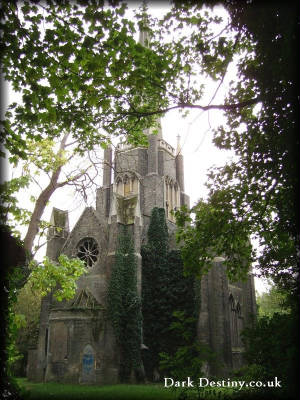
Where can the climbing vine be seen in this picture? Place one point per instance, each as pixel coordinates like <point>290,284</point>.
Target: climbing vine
<point>124,306</point>
<point>164,290</point>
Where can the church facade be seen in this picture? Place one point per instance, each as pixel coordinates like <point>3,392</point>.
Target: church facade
<point>76,341</point>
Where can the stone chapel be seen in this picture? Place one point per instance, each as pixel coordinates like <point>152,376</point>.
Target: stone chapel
<point>75,342</point>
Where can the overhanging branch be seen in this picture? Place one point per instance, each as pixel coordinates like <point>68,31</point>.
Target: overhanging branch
<point>224,107</point>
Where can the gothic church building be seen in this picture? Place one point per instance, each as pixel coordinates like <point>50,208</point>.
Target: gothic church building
<point>76,342</point>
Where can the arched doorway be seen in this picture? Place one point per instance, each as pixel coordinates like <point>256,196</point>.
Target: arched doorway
<point>88,365</point>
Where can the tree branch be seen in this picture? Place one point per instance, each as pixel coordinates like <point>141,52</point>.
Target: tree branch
<point>224,107</point>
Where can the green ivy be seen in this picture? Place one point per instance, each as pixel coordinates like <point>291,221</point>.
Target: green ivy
<point>164,290</point>
<point>124,306</point>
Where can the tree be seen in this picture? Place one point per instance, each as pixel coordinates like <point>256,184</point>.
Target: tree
<point>267,141</point>
<point>260,187</point>
<point>14,258</point>
<point>50,165</point>
<point>214,231</point>
<point>271,302</point>
<point>79,71</point>
<point>60,279</point>
<point>268,355</point>
<point>26,312</point>
<point>189,356</point>
<point>124,306</point>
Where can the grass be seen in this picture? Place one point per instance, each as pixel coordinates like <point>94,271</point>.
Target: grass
<point>58,391</point>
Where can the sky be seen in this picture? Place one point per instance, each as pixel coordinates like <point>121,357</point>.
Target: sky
<point>196,133</point>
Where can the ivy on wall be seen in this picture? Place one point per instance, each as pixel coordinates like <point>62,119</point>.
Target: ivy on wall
<point>124,306</point>
<point>164,291</point>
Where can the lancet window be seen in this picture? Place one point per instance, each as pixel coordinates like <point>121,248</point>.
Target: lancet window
<point>126,185</point>
<point>240,323</point>
<point>236,321</point>
<point>172,197</point>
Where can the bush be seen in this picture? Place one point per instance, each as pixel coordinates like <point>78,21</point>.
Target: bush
<point>272,350</point>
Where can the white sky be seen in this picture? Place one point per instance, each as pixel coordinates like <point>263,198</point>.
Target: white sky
<point>197,148</point>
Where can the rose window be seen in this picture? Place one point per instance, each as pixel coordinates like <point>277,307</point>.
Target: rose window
<point>87,251</point>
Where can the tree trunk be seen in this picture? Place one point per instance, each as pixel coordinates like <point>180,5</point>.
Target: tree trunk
<point>41,203</point>
<point>39,208</point>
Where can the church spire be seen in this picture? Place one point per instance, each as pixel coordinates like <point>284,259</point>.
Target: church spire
<point>107,166</point>
<point>178,147</point>
<point>179,165</point>
<point>144,40</point>
<point>144,33</point>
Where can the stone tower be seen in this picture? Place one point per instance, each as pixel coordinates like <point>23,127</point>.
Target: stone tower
<point>76,342</point>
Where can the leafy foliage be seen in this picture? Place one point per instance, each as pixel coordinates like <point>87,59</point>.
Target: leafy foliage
<point>9,203</point>
<point>260,187</point>
<point>14,322</point>
<point>12,273</point>
<point>257,194</point>
<point>57,277</point>
<point>271,302</point>
<point>274,356</point>
<point>124,306</point>
<point>265,178</point>
<point>80,72</point>
<point>50,166</point>
<point>79,69</point>
<point>214,231</point>
<point>189,356</point>
<point>24,302</point>
<point>25,317</point>
<point>164,290</point>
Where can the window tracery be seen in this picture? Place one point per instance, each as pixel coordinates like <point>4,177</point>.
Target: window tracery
<point>88,251</point>
<point>126,185</point>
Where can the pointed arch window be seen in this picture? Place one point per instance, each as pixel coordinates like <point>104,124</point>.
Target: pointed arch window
<point>236,321</point>
<point>119,186</point>
<point>240,323</point>
<point>126,185</point>
<point>233,321</point>
<point>172,197</point>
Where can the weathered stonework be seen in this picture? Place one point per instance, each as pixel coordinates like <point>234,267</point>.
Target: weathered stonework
<point>76,341</point>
